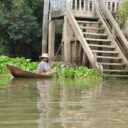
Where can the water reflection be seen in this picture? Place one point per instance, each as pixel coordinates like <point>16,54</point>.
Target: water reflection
<point>37,103</point>
<point>62,102</point>
<point>49,104</point>
<point>18,108</point>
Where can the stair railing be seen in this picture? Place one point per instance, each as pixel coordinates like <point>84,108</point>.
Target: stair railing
<point>85,5</point>
<point>114,28</point>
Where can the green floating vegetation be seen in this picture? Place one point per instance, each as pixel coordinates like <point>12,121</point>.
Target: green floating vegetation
<point>21,62</point>
<point>76,72</point>
<point>63,70</point>
<point>5,79</point>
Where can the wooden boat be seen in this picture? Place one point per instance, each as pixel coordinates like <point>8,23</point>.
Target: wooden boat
<point>18,72</point>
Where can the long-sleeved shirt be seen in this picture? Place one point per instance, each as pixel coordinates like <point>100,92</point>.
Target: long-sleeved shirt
<point>43,67</point>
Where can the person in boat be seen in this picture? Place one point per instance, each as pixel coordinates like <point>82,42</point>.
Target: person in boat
<point>44,67</point>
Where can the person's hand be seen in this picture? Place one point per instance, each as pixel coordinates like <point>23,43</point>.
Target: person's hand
<point>44,73</point>
<point>52,64</point>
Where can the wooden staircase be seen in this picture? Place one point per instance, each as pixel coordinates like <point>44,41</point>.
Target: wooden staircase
<point>103,47</point>
<point>93,34</point>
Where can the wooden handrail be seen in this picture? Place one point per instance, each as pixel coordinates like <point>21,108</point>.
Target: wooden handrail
<point>108,28</point>
<point>113,26</point>
<point>82,40</point>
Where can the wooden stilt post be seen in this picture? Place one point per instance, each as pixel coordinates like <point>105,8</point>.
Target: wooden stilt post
<point>45,27</point>
<point>84,60</point>
<point>62,51</point>
<point>51,44</point>
<point>75,52</point>
<point>66,39</point>
<point>79,53</point>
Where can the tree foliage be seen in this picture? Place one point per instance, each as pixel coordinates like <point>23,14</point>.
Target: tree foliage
<point>21,25</point>
<point>123,13</point>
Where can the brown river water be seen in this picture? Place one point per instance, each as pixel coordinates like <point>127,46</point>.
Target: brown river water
<point>37,103</point>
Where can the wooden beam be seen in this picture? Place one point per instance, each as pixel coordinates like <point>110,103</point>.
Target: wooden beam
<point>80,54</point>
<point>84,60</point>
<point>45,27</point>
<point>51,41</point>
<point>74,52</point>
<point>66,39</point>
<point>62,51</point>
<point>75,4</point>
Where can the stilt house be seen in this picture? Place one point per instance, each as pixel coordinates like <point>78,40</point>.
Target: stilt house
<point>91,35</point>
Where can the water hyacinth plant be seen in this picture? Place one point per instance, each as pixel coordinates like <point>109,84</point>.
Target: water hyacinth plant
<point>63,70</point>
<point>21,62</point>
<point>75,72</point>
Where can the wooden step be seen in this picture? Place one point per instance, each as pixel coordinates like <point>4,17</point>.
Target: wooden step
<point>91,28</point>
<point>117,76</point>
<point>101,46</point>
<point>115,64</point>
<point>98,40</point>
<point>111,52</point>
<point>95,34</point>
<point>111,70</point>
<point>81,17</point>
<point>87,22</point>
<point>109,57</point>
